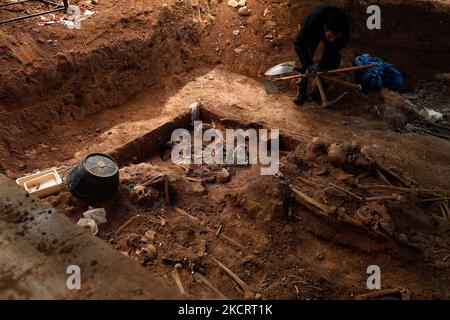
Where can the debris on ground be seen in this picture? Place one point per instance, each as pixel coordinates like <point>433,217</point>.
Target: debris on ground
<point>92,219</point>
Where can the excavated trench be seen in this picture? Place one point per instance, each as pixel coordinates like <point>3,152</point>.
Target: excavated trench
<point>106,94</point>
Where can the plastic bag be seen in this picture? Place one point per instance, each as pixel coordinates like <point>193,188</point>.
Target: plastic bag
<point>92,218</point>
<point>383,74</point>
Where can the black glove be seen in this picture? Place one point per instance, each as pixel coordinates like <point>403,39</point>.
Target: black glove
<point>311,70</point>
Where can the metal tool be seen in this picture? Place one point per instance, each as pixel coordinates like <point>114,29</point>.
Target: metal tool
<point>282,68</point>
<point>56,8</point>
<point>270,85</point>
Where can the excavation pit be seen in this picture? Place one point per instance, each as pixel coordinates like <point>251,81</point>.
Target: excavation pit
<point>124,83</point>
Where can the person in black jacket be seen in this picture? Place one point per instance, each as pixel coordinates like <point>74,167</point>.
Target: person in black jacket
<point>327,24</point>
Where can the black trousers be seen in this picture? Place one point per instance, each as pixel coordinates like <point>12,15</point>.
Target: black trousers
<point>330,59</point>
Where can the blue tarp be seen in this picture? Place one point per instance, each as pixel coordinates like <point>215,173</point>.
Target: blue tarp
<point>383,75</point>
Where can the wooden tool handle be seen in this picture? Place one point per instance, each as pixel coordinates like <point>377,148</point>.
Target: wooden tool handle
<point>367,66</point>
<point>297,76</point>
<point>341,83</point>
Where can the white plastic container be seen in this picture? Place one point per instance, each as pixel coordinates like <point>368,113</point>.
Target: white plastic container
<point>41,184</point>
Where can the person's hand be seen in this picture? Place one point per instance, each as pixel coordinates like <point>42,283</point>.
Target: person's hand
<point>311,70</point>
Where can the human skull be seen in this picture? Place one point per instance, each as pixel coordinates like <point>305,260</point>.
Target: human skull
<point>141,195</point>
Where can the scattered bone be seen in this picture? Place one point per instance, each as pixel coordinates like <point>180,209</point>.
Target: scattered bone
<point>382,168</point>
<point>304,198</point>
<point>310,183</point>
<point>153,180</point>
<point>393,196</point>
<point>346,191</point>
<point>249,294</point>
<point>166,189</point>
<point>194,179</point>
<point>203,248</point>
<point>218,230</point>
<point>414,191</point>
<point>147,254</point>
<point>436,199</point>
<point>150,235</point>
<point>340,174</point>
<point>445,210</point>
<point>184,213</point>
<point>135,240</point>
<point>382,177</point>
<point>141,195</point>
<point>403,293</point>
<point>375,216</point>
<point>234,243</point>
<point>176,277</point>
<point>123,226</point>
<point>200,278</point>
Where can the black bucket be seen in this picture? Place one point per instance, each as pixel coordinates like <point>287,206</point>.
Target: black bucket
<point>96,177</point>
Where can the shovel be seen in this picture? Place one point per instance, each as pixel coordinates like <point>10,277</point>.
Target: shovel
<point>282,68</point>
<point>270,85</point>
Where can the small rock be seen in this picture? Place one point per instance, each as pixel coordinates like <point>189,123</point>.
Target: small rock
<point>98,130</point>
<point>269,36</point>
<point>258,296</point>
<point>94,1</point>
<point>233,3</point>
<point>320,256</point>
<point>266,12</point>
<point>243,11</point>
<point>242,3</point>
<point>235,32</point>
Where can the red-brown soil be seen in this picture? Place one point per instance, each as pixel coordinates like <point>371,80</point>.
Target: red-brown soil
<point>136,64</point>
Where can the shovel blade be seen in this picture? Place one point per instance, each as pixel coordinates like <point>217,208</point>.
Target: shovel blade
<point>282,68</point>
<point>270,87</point>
